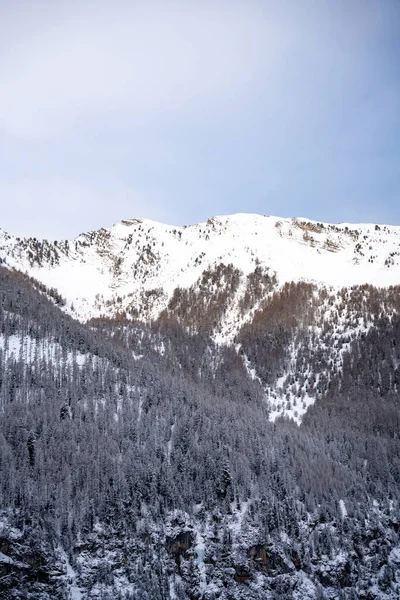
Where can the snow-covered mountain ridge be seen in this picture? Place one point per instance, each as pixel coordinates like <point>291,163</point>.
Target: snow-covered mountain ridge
<point>136,265</point>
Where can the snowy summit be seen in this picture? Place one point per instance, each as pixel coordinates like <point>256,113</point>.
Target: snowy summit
<point>139,263</point>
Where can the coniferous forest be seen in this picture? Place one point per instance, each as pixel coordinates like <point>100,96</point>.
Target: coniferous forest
<point>140,461</point>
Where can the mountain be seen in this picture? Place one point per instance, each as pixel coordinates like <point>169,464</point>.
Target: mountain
<point>135,267</point>
<point>227,429</point>
<point>221,278</point>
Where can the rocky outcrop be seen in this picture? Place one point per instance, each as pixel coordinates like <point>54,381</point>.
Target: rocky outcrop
<point>268,561</point>
<point>180,544</point>
<point>29,570</point>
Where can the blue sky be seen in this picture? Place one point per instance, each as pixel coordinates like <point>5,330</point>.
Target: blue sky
<point>178,111</point>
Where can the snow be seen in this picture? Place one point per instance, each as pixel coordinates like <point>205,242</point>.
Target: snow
<point>232,320</point>
<point>172,593</point>
<point>5,559</point>
<point>343,509</point>
<point>305,589</point>
<point>238,516</point>
<point>199,550</point>
<point>74,590</point>
<point>140,407</point>
<point>31,349</point>
<point>169,443</point>
<point>138,255</point>
<point>394,556</point>
<point>138,263</point>
<point>293,400</point>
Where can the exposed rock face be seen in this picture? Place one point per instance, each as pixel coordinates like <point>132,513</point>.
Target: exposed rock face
<point>29,569</point>
<point>4,545</point>
<point>267,560</point>
<point>242,573</point>
<point>335,573</point>
<point>180,544</point>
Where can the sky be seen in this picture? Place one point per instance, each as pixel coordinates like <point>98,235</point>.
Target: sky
<point>181,110</point>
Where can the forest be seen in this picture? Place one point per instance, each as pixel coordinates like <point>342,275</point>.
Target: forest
<point>140,461</point>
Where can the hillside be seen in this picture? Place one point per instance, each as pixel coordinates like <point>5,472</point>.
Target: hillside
<point>232,279</point>
<point>143,449</point>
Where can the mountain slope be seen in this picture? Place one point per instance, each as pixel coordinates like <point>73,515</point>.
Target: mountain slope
<point>139,462</point>
<point>134,267</point>
<point>138,457</point>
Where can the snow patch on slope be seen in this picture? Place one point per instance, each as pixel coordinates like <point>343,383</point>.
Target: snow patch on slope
<point>30,350</point>
<point>334,330</point>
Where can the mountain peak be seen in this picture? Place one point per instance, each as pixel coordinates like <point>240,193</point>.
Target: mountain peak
<point>142,262</point>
